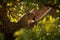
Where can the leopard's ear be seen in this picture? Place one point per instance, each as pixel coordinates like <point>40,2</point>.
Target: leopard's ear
<point>39,14</point>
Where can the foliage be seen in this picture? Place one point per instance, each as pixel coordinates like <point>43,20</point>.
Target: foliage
<point>17,8</point>
<point>46,29</point>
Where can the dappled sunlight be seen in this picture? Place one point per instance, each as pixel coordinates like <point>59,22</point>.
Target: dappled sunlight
<point>15,12</point>
<point>57,11</point>
<point>29,19</point>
